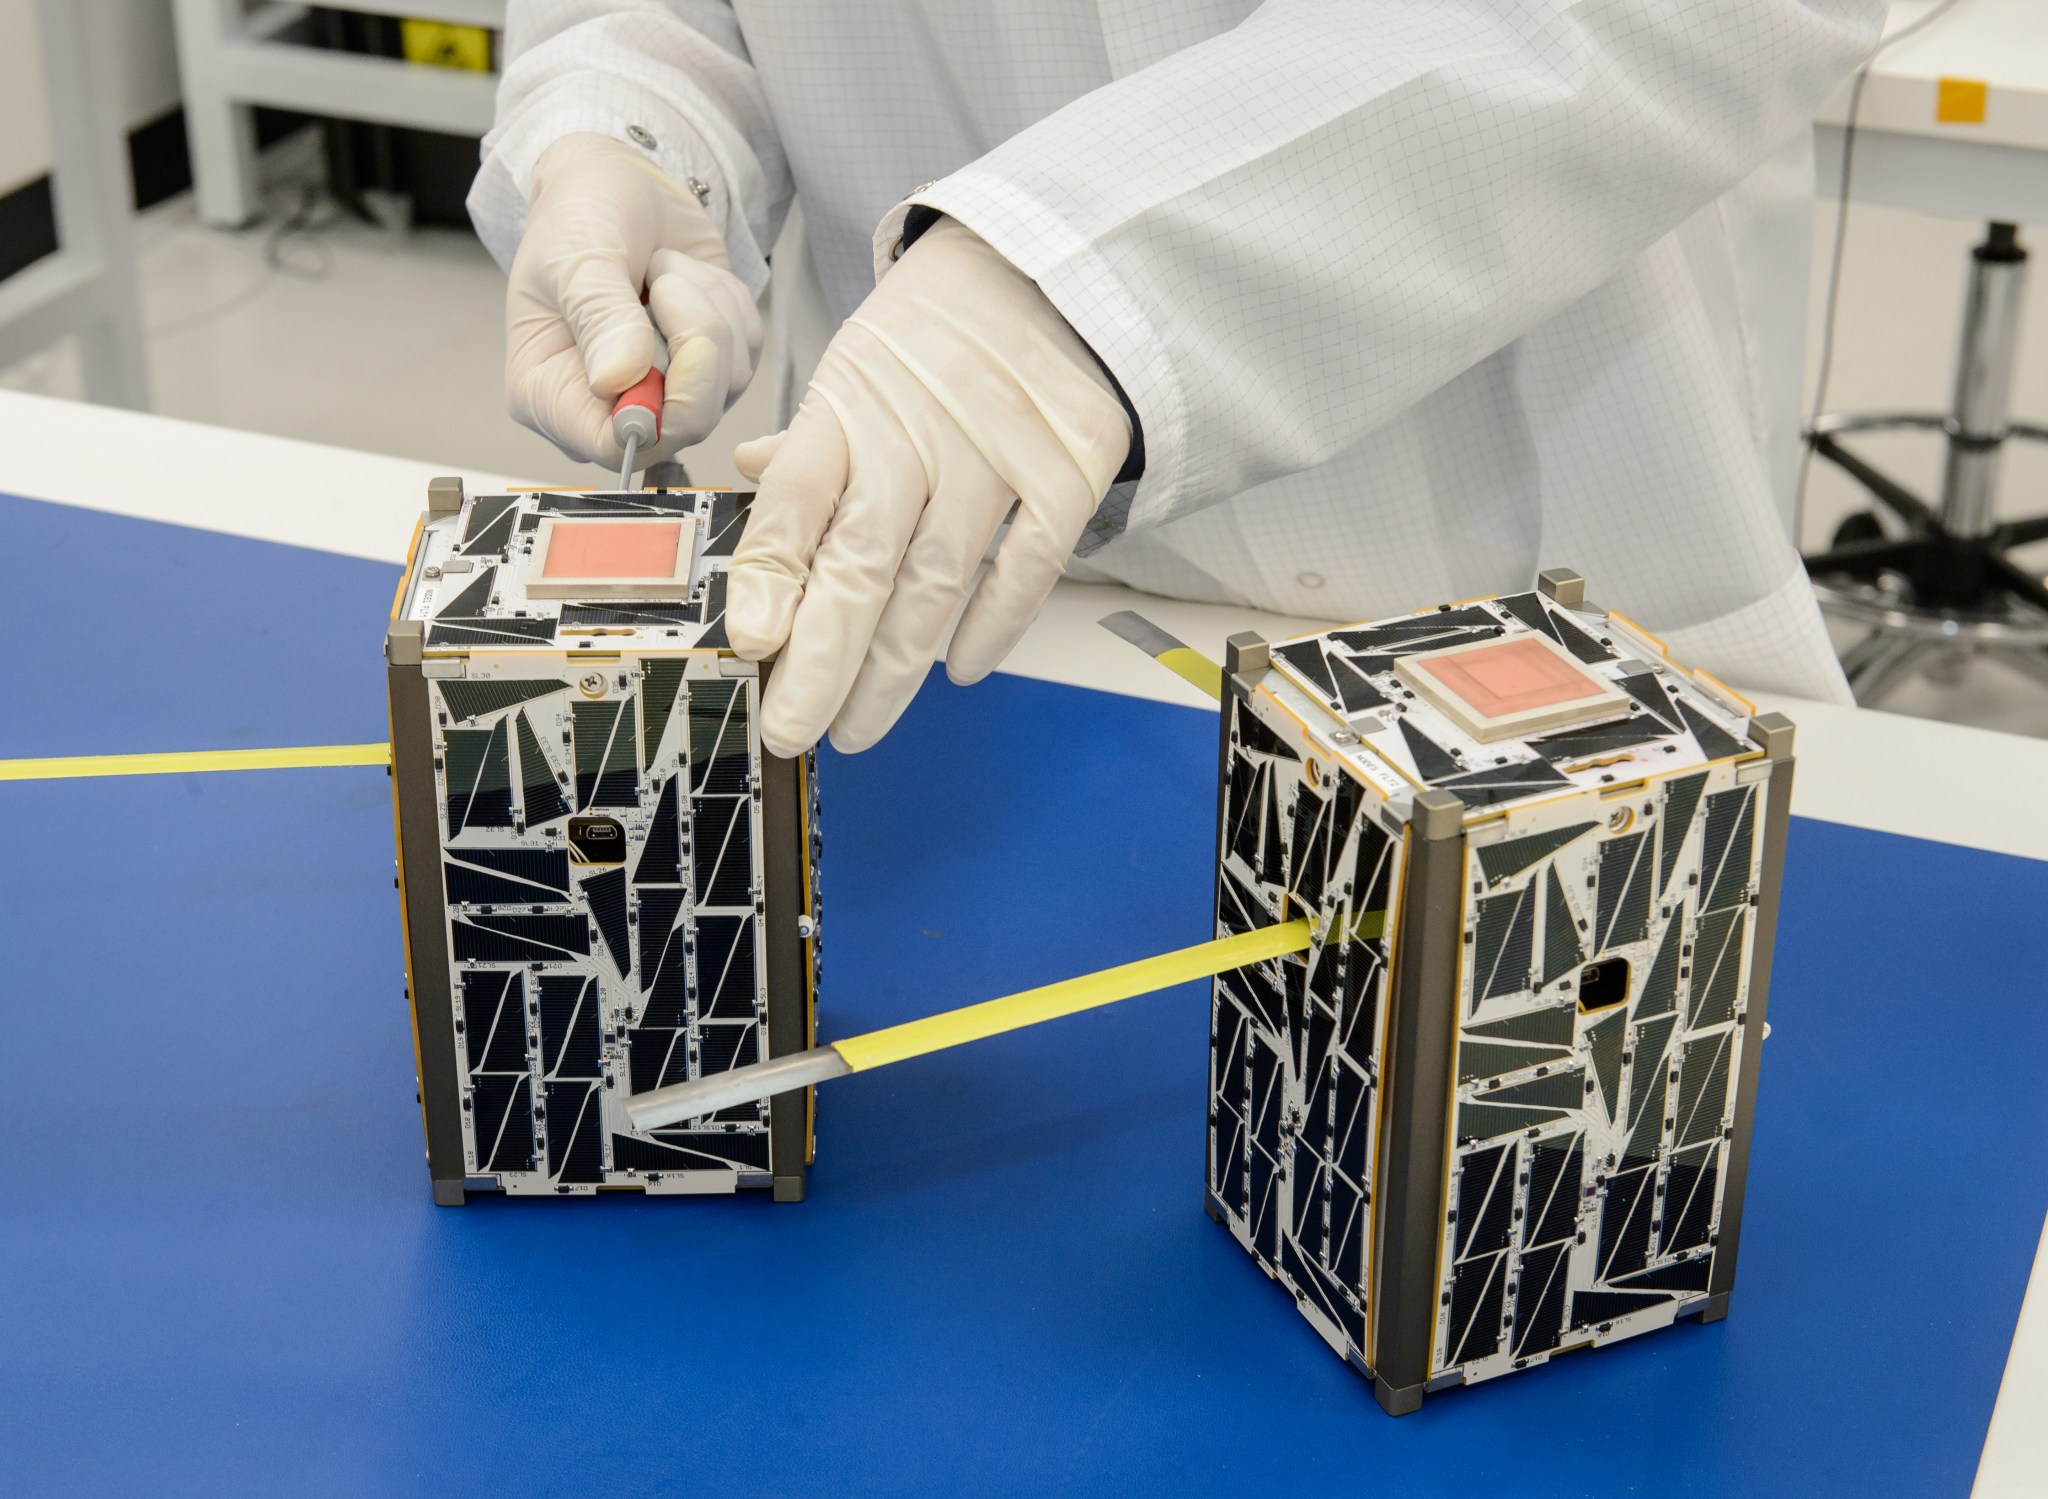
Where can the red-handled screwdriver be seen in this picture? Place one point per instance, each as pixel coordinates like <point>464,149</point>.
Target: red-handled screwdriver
<point>636,415</point>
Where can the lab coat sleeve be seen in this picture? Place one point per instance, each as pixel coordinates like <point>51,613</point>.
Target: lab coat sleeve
<point>678,70</point>
<point>1280,238</point>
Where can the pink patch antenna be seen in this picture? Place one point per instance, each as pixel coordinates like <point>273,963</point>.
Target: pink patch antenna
<point>1499,689</point>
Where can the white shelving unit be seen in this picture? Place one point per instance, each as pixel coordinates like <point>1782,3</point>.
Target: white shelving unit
<point>88,287</point>
<point>233,55</point>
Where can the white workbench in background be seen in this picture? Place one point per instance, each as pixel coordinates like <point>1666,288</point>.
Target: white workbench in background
<point>1907,156</point>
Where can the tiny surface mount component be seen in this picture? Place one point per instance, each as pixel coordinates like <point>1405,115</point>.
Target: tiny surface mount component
<point>1499,1108</point>
<point>608,885</point>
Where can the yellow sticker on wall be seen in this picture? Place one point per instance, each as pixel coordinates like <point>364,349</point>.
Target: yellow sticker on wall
<point>442,44</point>
<point>1960,101</point>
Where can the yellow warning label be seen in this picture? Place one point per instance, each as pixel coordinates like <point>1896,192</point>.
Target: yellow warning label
<point>442,44</point>
<point>1960,101</point>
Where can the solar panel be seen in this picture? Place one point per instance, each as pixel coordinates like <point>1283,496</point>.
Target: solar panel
<point>609,886</point>
<point>1500,1108</point>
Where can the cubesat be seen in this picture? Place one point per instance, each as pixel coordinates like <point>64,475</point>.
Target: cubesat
<point>1500,1108</point>
<point>608,885</point>
<point>1497,1108</point>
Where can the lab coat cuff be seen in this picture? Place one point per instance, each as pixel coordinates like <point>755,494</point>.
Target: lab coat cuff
<point>1078,281</point>
<point>663,130</point>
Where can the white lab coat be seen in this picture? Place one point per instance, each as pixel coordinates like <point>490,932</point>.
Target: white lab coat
<point>1412,297</point>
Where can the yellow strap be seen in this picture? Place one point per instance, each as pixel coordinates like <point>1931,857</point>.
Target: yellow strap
<point>1205,960</point>
<point>1190,665</point>
<point>297,757</point>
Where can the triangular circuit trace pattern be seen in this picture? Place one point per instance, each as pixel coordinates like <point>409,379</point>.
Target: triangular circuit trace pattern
<point>1599,739</point>
<point>570,1027</point>
<point>1502,861</point>
<point>473,599</point>
<point>1681,800</point>
<point>493,537</point>
<point>1715,742</point>
<point>1574,639</point>
<point>490,516</point>
<point>1297,1039</point>
<point>1729,852</point>
<point>478,775</point>
<point>466,699</point>
<point>494,876</point>
<point>1548,1090</point>
<point>493,1029</point>
<point>669,617</point>
<point>719,755</point>
<point>540,783</point>
<point>607,774</point>
<point>1624,893</point>
<point>606,896</point>
<point>1504,783</point>
<point>722,850</point>
<point>1608,914</point>
<point>714,636</point>
<point>661,856</point>
<point>1530,610</point>
<point>1644,687</point>
<point>1307,658</point>
<point>600,834</point>
<point>1562,951</point>
<point>727,523</point>
<point>660,503</point>
<point>1433,763</point>
<point>1506,943</point>
<point>1355,694</point>
<point>575,1132</point>
<point>661,682</point>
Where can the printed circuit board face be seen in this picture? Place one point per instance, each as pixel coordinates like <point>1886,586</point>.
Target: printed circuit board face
<point>609,887</point>
<point>1569,984</point>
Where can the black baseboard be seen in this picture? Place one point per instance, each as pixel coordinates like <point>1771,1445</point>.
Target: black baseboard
<point>159,165</point>
<point>28,226</point>
<point>159,159</point>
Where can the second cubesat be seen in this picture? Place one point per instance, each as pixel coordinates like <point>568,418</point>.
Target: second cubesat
<point>1500,1108</point>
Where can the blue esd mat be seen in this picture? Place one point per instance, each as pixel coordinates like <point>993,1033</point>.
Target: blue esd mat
<point>220,1272</point>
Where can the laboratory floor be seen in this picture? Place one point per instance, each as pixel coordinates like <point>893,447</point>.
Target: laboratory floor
<point>339,332</point>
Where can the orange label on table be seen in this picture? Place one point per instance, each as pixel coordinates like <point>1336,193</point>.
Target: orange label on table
<point>1960,101</point>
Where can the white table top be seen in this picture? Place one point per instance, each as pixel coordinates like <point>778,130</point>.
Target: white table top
<point>1899,775</point>
<point>1909,158</point>
<point>2001,43</point>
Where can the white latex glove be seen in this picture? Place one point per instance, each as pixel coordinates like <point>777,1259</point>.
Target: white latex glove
<point>955,392</point>
<point>603,222</point>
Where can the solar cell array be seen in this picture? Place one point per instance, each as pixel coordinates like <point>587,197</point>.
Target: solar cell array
<point>1592,1012</point>
<point>602,835</point>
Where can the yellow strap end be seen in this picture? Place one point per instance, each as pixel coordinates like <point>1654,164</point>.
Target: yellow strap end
<point>1183,660</point>
<point>1190,665</point>
<point>298,757</point>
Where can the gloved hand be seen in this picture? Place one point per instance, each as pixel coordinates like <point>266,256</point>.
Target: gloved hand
<point>602,222</point>
<point>955,392</point>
